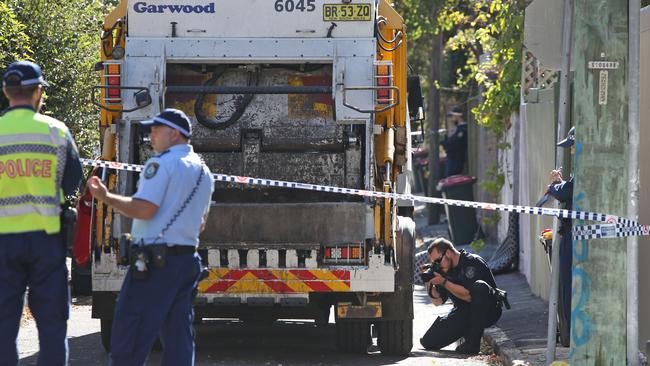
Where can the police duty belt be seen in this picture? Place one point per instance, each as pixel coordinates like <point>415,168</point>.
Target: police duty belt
<point>612,226</point>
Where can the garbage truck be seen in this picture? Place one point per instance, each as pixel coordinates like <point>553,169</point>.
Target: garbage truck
<point>309,91</point>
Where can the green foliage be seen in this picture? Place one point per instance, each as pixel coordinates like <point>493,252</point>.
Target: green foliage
<point>493,185</point>
<point>63,38</point>
<point>490,33</point>
<point>483,43</point>
<point>14,43</point>
<point>497,181</point>
<point>419,16</point>
<point>477,245</point>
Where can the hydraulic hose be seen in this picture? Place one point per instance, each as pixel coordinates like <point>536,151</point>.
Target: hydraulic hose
<point>240,103</point>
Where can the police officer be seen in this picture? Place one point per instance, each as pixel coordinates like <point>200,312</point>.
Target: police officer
<point>469,282</point>
<point>39,164</point>
<point>562,190</point>
<point>455,143</point>
<point>169,210</point>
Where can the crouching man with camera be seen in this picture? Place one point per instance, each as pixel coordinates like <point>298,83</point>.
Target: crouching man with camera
<point>467,280</point>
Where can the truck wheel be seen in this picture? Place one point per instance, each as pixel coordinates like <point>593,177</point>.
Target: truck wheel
<point>395,337</point>
<point>105,326</point>
<point>405,240</point>
<point>353,336</point>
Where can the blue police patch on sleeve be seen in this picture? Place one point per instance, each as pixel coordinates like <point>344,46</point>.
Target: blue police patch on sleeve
<point>150,170</point>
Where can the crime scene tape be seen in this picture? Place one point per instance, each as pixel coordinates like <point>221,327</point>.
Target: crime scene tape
<point>614,226</point>
<point>603,231</point>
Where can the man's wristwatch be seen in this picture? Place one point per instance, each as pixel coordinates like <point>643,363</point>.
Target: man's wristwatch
<point>444,282</point>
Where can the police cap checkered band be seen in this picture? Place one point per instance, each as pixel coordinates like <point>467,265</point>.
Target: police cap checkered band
<point>23,73</point>
<point>173,118</point>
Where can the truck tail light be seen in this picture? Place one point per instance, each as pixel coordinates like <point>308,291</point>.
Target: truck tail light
<point>113,80</point>
<point>352,253</point>
<point>384,77</point>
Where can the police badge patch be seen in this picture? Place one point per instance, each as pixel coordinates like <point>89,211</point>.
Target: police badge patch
<point>151,170</point>
<point>470,272</point>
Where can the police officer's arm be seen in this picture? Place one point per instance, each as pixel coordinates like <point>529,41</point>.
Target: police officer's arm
<point>72,172</point>
<point>129,206</point>
<point>455,289</point>
<point>205,221</point>
<point>438,297</point>
<point>207,208</point>
<point>560,189</point>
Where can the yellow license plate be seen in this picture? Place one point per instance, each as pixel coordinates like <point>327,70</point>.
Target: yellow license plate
<point>347,12</point>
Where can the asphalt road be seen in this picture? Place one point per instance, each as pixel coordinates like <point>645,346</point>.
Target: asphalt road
<point>285,343</point>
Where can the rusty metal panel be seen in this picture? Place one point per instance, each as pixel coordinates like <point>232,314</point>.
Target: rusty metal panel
<point>277,223</point>
<point>318,168</point>
<point>286,121</point>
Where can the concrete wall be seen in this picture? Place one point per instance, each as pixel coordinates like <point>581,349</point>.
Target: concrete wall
<point>644,163</point>
<point>509,164</point>
<point>536,159</point>
<point>482,154</point>
<point>536,137</point>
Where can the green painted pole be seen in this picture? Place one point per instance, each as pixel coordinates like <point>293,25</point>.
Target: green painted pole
<point>600,114</point>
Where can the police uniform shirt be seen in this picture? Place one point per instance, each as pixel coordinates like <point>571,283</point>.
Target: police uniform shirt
<point>456,144</point>
<point>167,181</point>
<point>470,268</point>
<point>563,192</point>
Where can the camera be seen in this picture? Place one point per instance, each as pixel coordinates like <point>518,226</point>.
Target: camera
<point>429,270</point>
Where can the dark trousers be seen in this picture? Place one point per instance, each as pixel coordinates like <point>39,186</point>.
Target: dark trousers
<point>453,166</point>
<point>35,260</point>
<point>161,305</point>
<point>467,321</point>
<point>566,258</point>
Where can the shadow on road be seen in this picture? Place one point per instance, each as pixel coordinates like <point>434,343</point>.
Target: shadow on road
<point>223,342</point>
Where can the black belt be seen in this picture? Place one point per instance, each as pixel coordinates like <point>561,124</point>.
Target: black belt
<point>180,249</point>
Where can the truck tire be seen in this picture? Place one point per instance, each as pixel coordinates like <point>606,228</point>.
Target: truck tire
<point>105,327</point>
<point>405,240</point>
<point>395,334</point>
<point>353,336</point>
<point>395,337</point>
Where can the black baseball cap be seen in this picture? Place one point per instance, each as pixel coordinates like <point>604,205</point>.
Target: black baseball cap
<point>569,140</point>
<point>173,118</point>
<point>23,73</point>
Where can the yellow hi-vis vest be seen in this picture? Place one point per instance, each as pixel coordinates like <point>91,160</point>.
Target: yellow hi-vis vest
<point>33,151</point>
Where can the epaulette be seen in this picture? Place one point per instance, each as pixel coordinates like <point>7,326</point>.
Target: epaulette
<point>161,154</point>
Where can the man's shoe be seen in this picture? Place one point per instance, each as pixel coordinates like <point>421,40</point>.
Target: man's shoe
<point>469,348</point>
